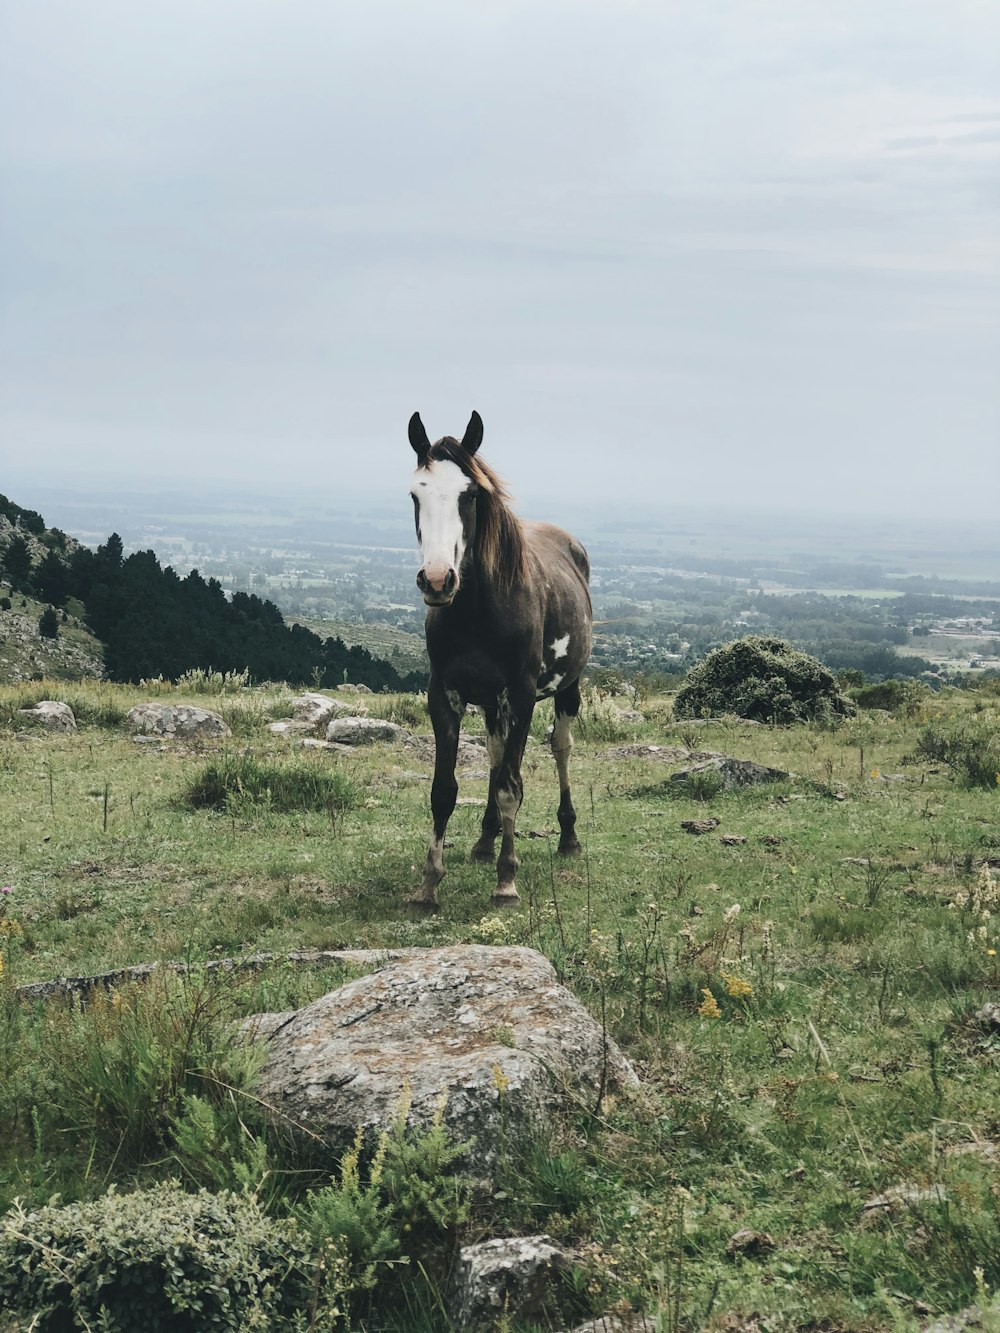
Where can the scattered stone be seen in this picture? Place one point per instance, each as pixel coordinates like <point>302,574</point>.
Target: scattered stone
<point>698,826</point>
<point>471,752</point>
<point>630,715</point>
<point>985,1149</point>
<point>772,839</point>
<point>900,1197</point>
<point>515,1278</point>
<point>430,1023</point>
<point>988,1016</point>
<point>356,689</point>
<point>667,754</point>
<point>311,743</point>
<point>971,1317</point>
<point>471,800</point>
<point>289,727</point>
<point>752,1244</point>
<point>618,1323</point>
<point>733,772</point>
<point>732,839</point>
<point>51,714</point>
<point>182,721</point>
<point>316,710</point>
<point>365,731</point>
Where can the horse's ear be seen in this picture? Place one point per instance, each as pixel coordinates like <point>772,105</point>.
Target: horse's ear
<point>418,437</point>
<point>473,436</point>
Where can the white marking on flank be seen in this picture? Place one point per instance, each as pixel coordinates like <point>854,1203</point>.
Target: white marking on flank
<point>560,648</point>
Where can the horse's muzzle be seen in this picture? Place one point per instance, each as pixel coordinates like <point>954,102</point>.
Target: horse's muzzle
<point>438,592</point>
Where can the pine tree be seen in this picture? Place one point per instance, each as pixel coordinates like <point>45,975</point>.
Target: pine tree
<point>48,623</point>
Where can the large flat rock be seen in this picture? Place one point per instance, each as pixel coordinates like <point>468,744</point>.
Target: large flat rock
<point>488,1030</point>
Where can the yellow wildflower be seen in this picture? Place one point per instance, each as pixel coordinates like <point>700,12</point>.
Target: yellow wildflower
<point>736,986</point>
<point>875,773</point>
<point>709,1007</point>
<point>500,1080</point>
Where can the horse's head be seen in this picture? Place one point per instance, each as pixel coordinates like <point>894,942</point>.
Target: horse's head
<point>444,490</point>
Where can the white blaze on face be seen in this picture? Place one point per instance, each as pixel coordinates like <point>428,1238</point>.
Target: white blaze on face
<point>436,489</point>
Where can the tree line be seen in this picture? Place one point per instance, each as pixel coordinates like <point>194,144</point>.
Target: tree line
<point>154,622</point>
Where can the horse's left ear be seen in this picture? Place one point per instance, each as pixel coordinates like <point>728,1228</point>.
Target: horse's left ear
<point>473,436</point>
<point>418,437</point>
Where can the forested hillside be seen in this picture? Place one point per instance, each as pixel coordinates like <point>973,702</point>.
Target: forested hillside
<point>153,622</point>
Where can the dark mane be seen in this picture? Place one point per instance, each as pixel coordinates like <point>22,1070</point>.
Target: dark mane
<point>500,545</point>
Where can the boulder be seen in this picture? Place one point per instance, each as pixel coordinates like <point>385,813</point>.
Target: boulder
<point>733,772</point>
<point>50,714</point>
<point>183,721</point>
<point>514,1279</point>
<point>356,689</point>
<point>488,1030</point>
<point>316,710</point>
<point>365,731</point>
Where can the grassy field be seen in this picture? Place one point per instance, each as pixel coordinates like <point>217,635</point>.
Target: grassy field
<point>801,1006</point>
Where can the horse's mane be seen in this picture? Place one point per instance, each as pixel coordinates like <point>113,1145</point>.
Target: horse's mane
<point>500,544</point>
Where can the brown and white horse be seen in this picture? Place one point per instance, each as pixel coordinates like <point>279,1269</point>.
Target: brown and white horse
<point>509,622</point>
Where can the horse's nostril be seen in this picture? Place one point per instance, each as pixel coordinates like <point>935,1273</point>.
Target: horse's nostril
<point>421,580</point>
<point>450,581</point>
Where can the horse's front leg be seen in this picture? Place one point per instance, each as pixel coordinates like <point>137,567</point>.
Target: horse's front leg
<point>483,852</point>
<point>515,720</point>
<point>446,710</point>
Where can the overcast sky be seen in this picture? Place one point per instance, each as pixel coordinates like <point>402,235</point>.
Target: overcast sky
<point>716,249</point>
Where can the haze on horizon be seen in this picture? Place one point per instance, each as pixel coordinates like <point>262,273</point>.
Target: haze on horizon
<point>742,252</point>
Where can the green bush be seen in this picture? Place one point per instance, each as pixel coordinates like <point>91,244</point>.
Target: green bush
<point>971,749</point>
<point>240,780</point>
<point>159,1259</point>
<point>766,680</point>
<point>905,697</point>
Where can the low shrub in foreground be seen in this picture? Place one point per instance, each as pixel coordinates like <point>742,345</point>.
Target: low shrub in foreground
<point>241,780</point>
<point>163,1259</point>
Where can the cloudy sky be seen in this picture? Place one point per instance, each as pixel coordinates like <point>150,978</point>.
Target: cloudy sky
<point>716,250</point>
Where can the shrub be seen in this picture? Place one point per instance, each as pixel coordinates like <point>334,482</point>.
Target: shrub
<point>970,749</point>
<point>158,1259</point>
<point>240,780</point>
<point>905,697</point>
<point>766,680</point>
<point>48,624</point>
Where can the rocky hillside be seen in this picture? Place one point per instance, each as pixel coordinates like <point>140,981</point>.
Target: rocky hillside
<point>26,654</point>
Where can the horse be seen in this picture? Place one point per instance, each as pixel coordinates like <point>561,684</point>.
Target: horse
<point>509,622</point>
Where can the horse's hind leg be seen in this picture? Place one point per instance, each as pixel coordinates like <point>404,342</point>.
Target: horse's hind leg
<point>567,707</point>
<point>482,852</point>
<point>446,711</point>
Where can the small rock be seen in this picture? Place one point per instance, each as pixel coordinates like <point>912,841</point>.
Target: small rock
<point>176,720</point>
<point>772,840</point>
<point>365,731</point>
<point>899,1197</point>
<point>989,1015</point>
<point>985,1149</point>
<point>514,1278</point>
<point>51,714</point>
<point>355,689</point>
<point>311,743</point>
<point>734,773</point>
<point>698,826</point>
<point>630,715</point>
<point>753,1244</point>
<point>316,710</point>
<point>471,801</point>
<point>971,1317</point>
<point>618,1323</point>
<point>289,727</point>
<point>732,839</point>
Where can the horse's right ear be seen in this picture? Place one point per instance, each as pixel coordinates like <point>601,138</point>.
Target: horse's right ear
<point>418,437</point>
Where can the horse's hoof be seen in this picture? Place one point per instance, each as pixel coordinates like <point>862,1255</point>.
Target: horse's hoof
<point>506,897</point>
<point>482,856</point>
<point>570,848</point>
<point>421,905</point>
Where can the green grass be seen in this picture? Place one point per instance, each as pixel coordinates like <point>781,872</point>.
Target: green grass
<point>851,1065</point>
